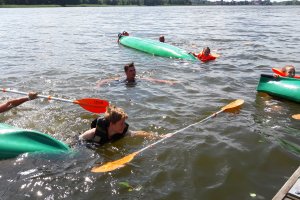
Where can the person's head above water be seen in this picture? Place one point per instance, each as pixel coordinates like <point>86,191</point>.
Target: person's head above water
<point>162,38</point>
<point>116,117</point>
<point>114,114</point>
<point>125,33</point>
<point>206,51</point>
<point>289,71</point>
<point>130,72</point>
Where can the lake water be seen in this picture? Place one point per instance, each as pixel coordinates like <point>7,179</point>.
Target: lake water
<point>64,51</point>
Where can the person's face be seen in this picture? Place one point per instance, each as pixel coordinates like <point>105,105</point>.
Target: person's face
<point>131,73</point>
<point>206,51</point>
<point>119,126</point>
<point>290,72</point>
<point>162,39</point>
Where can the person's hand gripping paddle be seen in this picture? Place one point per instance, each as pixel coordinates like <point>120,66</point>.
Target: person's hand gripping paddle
<point>90,104</point>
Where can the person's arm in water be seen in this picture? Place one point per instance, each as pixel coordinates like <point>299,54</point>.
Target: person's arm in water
<point>15,102</point>
<point>144,134</point>
<point>106,81</point>
<point>160,81</point>
<point>88,135</point>
<point>194,54</point>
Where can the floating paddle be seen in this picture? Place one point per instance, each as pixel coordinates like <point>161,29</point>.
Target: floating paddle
<point>296,116</point>
<point>90,104</point>
<point>110,166</point>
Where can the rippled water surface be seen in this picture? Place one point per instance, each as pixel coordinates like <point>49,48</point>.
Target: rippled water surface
<point>65,51</point>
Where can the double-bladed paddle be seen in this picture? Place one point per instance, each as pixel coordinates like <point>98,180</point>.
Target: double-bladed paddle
<point>110,166</point>
<point>90,104</point>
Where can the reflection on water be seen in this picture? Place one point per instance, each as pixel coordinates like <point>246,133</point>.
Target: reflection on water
<point>64,52</point>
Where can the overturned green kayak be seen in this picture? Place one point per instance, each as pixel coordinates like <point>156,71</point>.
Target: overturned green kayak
<point>156,48</point>
<point>15,141</point>
<point>283,87</point>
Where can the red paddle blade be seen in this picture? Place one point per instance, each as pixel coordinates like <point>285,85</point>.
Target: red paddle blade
<point>92,104</point>
<point>278,72</point>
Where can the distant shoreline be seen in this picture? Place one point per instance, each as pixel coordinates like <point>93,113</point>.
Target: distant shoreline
<point>284,3</point>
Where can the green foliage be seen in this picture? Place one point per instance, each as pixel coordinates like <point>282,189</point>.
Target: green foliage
<point>129,187</point>
<point>179,2</point>
<point>293,147</point>
<point>137,2</point>
<point>126,185</point>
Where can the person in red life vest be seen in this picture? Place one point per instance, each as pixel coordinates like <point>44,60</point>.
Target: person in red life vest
<point>15,102</point>
<point>122,34</point>
<point>288,71</point>
<point>205,55</point>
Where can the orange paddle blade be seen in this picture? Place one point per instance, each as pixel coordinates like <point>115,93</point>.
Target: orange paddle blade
<point>110,166</point>
<point>278,72</point>
<point>233,105</point>
<point>92,104</point>
<point>297,116</point>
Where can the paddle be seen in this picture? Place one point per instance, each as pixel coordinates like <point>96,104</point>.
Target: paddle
<point>90,104</point>
<point>110,166</point>
<point>278,72</point>
<point>296,116</point>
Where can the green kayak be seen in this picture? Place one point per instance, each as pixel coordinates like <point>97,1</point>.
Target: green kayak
<point>156,48</point>
<point>283,87</point>
<point>15,141</point>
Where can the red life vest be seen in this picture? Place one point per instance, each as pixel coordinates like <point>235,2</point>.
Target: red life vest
<point>205,58</point>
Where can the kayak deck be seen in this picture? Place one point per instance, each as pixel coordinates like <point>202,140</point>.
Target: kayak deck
<point>156,48</point>
<point>283,87</point>
<point>15,141</point>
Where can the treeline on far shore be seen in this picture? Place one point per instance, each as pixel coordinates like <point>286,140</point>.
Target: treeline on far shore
<point>96,2</point>
<point>41,3</point>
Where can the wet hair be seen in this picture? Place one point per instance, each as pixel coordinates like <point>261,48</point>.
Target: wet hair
<point>287,67</point>
<point>162,38</point>
<point>114,114</point>
<point>206,48</point>
<point>126,67</point>
<point>125,33</point>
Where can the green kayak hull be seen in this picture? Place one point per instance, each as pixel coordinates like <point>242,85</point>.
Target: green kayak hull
<point>15,141</point>
<point>283,87</point>
<point>156,48</point>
